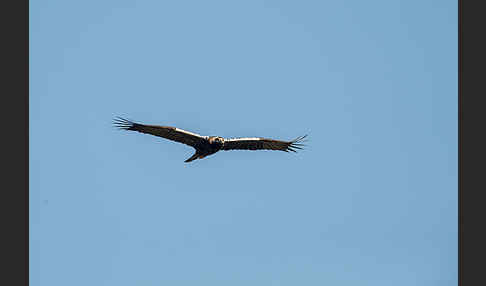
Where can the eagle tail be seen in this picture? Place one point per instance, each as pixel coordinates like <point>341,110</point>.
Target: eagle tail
<point>193,157</point>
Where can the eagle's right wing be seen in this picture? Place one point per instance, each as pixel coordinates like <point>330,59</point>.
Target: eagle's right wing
<point>263,144</point>
<point>167,132</point>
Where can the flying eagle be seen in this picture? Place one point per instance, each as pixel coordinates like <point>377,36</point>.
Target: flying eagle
<point>208,145</point>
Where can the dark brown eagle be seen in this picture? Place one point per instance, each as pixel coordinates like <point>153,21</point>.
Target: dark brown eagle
<point>208,145</point>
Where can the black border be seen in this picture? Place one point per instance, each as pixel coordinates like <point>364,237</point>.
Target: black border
<point>472,143</point>
<point>15,133</point>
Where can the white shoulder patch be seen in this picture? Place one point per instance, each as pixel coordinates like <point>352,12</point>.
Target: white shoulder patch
<point>244,139</point>
<point>187,132</point>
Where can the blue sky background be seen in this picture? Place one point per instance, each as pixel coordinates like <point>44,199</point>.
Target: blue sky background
<point>372,200</point>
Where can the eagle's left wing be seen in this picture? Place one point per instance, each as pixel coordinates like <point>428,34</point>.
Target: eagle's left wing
<point>263,144</point>
<point>167,132</point>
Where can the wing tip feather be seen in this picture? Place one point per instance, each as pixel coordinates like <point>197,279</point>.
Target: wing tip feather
<point>122,123</point>
<point>297,144</point>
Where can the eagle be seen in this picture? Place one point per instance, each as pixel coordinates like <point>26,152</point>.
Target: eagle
<point>208,145</point>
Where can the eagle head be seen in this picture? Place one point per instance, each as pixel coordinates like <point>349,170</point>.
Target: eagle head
<point>216,140</point>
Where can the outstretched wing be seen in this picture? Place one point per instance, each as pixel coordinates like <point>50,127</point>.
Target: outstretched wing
<point>167,132</point>
<point>263,144</point>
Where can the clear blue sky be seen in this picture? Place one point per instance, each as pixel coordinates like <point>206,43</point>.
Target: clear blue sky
<point>372,200</point>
